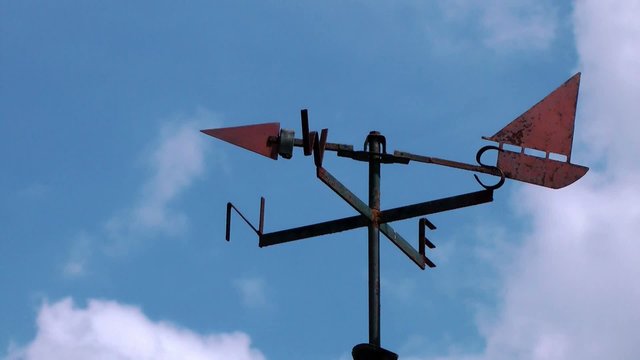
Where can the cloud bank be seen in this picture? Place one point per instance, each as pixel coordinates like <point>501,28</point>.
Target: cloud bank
<point>572,290</point>
<point>109,330</point>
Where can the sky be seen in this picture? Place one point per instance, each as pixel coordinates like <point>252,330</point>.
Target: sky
<point>112,210</point>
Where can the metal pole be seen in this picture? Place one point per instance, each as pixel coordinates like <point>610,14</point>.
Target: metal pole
<point>373,350</point>
<point>374,238</point>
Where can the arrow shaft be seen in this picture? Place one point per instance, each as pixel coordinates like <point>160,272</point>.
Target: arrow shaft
<point>328,146</point>
<point>447,163</point>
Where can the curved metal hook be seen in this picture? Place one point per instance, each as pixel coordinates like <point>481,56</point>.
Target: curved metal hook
<point>493,170</point>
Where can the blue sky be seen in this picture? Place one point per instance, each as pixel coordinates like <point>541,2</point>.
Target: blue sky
<point>112,203</point>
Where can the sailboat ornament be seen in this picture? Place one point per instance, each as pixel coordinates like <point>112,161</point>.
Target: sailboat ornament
<point>548,127</point>
<point>534,148</point>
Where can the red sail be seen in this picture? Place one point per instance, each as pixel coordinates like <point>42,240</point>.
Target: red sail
<point>548,125</point>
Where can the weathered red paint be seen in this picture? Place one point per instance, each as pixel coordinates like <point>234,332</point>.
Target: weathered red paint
<point>539,171</point>
<point>251,137</point>
<point>547,127</point>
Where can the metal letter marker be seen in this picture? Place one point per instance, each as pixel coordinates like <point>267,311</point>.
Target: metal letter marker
<point>547,127</point>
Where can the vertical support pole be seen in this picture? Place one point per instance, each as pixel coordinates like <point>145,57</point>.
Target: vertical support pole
<point>373,141</point>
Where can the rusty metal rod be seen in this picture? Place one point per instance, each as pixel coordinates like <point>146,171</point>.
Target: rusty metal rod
<point>430,207</point>
<point>308,231</point>
<point>342,191</point>
<point>447,163</point>
<point>327,146</point>
<point>403,245</point>
<point>369,213</point>
<point>394,214</point>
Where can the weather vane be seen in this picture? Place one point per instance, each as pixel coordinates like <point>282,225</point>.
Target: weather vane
<point>546,127</point>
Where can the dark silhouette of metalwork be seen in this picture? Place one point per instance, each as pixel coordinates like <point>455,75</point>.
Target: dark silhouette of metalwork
<point>547,127</point>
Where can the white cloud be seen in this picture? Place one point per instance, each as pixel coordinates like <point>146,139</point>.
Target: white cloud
<point>402,289</point>
<point>253,292</point>
<point>455,26</point>
<point>109,330</point>
<point>79,254</point>
<point>502,25</point>
<point>521,25</point>
<point>607,35</point>
<point>175,159</point>
<point>571,291</point>
<point>176,162</point>
<point>33,191</point>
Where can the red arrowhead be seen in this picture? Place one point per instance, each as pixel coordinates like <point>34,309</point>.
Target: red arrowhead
<point>251,137</point>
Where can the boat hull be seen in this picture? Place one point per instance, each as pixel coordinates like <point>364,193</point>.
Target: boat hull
<point>539,171</point>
